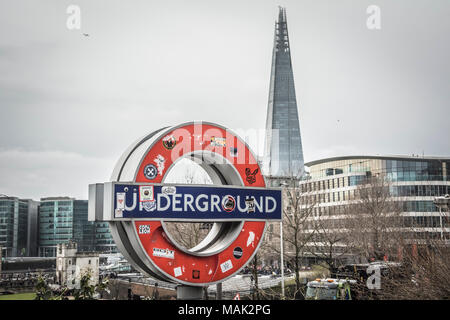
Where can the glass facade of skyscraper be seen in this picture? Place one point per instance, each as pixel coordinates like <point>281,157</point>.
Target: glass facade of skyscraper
<point>63,219</point>
<point>83,230</point>
<point>55,224</point>
<point>13,226</point>
<point>283,150</point>
<point>103,239</point>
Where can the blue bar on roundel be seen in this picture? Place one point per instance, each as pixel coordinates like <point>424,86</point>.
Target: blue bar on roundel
<point>195,203</point>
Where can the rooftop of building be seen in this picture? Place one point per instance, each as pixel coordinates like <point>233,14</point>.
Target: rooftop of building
<point>27,259</point>
<point>5,197</point>
<point>57,199</point>
<point>381,157</point>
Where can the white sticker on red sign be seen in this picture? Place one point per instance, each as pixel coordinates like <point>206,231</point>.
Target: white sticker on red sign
<point>177,271</point>
<point>144,229</point>
<point>163,253</point>
<point>227,265</point>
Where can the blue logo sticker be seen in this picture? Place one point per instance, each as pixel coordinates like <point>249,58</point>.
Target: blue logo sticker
<point>237,252</point>
<point>150,171</point>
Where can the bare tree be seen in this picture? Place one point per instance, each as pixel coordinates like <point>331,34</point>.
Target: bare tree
<point>331,241</point>
<point>424,272</point>
<point>298,207</point>
<point>375,219</point>
<point>189,234</point>
<point>254,270</point>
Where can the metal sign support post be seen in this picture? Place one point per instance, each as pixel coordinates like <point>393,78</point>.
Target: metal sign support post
<point>189,293</point>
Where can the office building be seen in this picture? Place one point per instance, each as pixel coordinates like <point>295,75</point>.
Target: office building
<point>62,219</point>
<point>104,241</point>
<point>18,228</point>
<point>413,183</point>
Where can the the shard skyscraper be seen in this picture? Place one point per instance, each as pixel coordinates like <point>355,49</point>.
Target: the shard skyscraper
<point>283,154</point>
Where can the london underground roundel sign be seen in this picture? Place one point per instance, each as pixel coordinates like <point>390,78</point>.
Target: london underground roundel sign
<point>137,203</point>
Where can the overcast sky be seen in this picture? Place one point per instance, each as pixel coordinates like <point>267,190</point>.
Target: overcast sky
<point>71,104</point>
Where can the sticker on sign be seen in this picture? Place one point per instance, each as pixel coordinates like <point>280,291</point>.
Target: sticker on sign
<point>163,253</point>
<point>227,265</point>
<point>120,198</point>
<point>177,271</point>
<point>144,229</point>
<point>146,193</point>
<point>118,213</point>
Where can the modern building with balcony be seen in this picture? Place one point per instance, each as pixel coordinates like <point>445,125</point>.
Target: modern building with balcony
<point>413,181</point>
<point>414,184</point>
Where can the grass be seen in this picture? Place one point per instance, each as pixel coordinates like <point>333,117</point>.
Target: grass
<point>18,296</point>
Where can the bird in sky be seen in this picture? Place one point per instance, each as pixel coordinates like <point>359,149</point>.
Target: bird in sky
<point>86,34</point>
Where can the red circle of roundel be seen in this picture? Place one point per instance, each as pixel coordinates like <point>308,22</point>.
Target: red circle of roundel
<point>171,261</point>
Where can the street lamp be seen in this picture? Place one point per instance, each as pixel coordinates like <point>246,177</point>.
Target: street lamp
<point>442,203</point>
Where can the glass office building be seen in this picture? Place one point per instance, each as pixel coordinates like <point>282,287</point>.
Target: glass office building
<point>413,182</point>
<point>104,241</point>
<point>283,154</point>
<point>83,230</point>
<point>17,232</point>
<point>63,219</point>
<point>55,224</point>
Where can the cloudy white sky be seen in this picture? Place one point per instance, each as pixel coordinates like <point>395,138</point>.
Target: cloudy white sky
<point>71,104</point>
